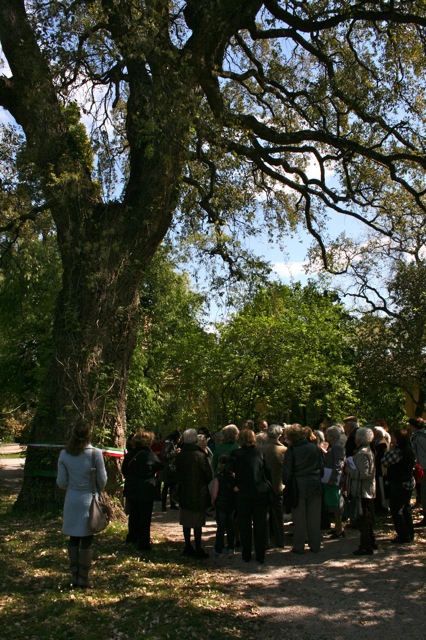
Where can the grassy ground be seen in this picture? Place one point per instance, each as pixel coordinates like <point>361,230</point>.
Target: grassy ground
<point>164,595</point>
<point>159,596</point>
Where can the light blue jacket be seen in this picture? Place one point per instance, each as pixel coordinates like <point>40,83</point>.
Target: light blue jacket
<point>74,476</point>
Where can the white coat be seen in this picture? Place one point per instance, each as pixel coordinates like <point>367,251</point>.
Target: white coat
<point>74,476</point>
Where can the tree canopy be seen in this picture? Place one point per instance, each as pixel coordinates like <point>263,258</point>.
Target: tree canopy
<point>286,355</point>
<point>200,115</point>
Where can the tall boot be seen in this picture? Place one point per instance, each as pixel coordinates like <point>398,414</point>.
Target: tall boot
<point>84,564</point>
<point>73,554</point>
<point>199,552</point>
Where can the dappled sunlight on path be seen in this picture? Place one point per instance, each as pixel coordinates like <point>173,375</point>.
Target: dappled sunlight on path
<point>331,595</point>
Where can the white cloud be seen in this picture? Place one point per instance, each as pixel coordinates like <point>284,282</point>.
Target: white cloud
<point>295,271</point>
<point>289,269</point>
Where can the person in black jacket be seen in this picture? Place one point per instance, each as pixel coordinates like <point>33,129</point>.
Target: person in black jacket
<point>194,474</point>
<point>399,462</point>
<point>223,499</point>
<point>254,495</point>
<point>170,450</point>
<point>139,469</point>
<point>350,425</point>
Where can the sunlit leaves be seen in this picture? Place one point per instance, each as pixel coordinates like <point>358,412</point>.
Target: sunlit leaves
<point>286,348</point>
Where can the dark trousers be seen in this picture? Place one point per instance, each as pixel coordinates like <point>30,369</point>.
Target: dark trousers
<point>401,511</point>
<point>225,524</point>
<point>253,519</point>
<point>168,486</point>
<point>140,514</point>
<point>276,521</point>
<point>366,524</point>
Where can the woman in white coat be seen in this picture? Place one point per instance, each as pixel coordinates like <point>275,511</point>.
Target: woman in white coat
<point>74,475</point>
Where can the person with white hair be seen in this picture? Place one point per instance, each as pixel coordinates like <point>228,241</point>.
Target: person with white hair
<point>381,445</point>
<point>228,444</point>
<point>194,474</point>
<point>362,488</point>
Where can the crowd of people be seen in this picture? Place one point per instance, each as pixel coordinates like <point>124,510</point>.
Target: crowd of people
<point>338,476</point>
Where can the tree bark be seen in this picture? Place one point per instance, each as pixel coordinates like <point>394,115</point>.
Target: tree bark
<point>105,248</point>
<point>94,336</point>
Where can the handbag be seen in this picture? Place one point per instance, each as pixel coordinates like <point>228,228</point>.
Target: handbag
<point>418,473</point>
<point>331,493</point>
<point>291,492</point>
<point>99,512</point>
<point>331,496</point>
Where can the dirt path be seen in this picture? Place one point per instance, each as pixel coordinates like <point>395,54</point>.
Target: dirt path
<point>11,469</point>
<point>332,595</point>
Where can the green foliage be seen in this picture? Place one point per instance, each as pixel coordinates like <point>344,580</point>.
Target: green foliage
<point>164,384</point>
<point>285,354</point>
<point>83,151</point>
<point>390,350</point>
<point>30,274</point>
<point>29,282</point>
<point>381,387</point>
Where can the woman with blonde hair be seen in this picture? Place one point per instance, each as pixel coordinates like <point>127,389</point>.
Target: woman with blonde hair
<point>74,475</point>
<point>381,441</point>
<point>140,466</point>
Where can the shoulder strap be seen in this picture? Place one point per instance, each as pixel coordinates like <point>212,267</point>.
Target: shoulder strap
<point>134,457</point>
<point>93,473</point>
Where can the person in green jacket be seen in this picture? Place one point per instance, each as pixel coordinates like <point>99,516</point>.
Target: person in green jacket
<point>228,444</point>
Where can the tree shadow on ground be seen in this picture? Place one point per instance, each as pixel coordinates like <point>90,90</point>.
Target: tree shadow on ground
<point>336,595</point>
<point>155,595</point>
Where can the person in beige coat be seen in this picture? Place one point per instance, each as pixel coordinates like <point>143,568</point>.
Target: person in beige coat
<point>274,451</point>
<point>363,489</point>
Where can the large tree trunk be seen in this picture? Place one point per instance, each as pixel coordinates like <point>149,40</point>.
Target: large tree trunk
<point>105,249</point>
<point>94,337</point>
